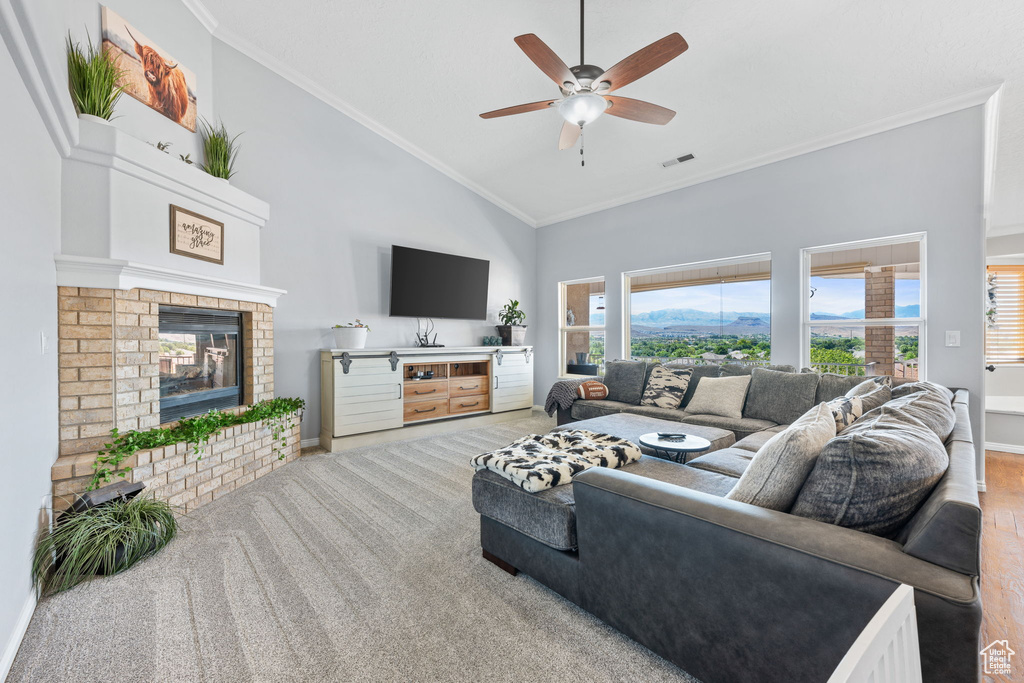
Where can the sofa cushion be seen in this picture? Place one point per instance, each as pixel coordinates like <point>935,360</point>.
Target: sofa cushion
<point>754,441</point>
<point>723,396</point>
<point>913,387</point>
<point>735,369</point>
<point>832,385</point>
<point>666,387</point>
<point>625,380</point>
<point>742,427</point>
<point>874,475</point>
<point>632,426</point>
<point>584,410</point>
<point>730,461</point>
<point>699,372</point>
<point>781,397</point>
<point>672,414</point>
<point>780,467</point>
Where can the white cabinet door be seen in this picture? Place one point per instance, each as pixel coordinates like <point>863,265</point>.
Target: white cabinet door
<point>512,382</point>
<point>368,397</point>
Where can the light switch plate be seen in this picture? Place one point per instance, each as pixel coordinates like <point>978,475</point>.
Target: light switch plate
<point>952,337</point>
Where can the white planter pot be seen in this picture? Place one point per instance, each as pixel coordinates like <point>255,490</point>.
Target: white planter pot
<point>350,337</point>
<point>94,119</point>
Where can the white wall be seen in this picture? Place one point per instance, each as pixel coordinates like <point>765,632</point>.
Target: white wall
<point>30,199</point>
<point>924,177</point>
<point>340,196</point>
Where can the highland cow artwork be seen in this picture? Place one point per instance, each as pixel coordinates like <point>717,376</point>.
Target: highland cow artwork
<point>150,75</point>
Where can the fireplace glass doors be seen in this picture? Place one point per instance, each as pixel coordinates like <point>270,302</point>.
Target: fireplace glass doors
<point>200,361</point>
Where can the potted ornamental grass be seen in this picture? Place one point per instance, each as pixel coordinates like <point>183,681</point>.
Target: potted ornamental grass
<point>219,150</point>
<point>351,335</point>
<point>94,78</point>
<point>512,330</point>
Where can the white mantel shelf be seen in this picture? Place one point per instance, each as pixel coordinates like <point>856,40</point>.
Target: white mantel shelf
<point>105,145</point>
<point>429,350</point>
<point>85,271</point>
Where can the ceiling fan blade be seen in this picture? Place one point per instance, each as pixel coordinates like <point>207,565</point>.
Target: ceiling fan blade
<point>643,62</point>
<point>638,110</point>
<point>545,58</point>
<point>518,109</point>
<point>569,135</point>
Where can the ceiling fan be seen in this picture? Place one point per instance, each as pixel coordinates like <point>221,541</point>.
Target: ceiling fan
<point>585,87</point>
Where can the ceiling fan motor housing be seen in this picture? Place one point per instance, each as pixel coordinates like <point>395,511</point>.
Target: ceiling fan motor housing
<point>587,75</point>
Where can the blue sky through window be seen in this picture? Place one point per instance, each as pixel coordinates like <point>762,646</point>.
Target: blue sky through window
<point>748,297</point>
<point>840,296</point>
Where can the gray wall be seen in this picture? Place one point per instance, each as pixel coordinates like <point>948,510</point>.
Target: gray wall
<point>30,198</point>
<point>924,177</point>
<point>340,196</point>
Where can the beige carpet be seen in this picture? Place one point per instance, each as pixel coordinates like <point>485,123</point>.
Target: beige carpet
<point>355,566</point>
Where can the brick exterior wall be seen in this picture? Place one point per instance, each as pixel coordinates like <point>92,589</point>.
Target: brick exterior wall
<point>109,367</point>
<point>880,302</point>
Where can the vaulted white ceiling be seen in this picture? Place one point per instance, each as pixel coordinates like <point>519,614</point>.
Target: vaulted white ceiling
<point>760,80</point>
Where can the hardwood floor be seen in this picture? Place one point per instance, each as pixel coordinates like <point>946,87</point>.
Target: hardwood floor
<point>1002,556</point>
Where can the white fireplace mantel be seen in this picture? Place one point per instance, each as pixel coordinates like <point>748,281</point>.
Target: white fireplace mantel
<point>102,273</point>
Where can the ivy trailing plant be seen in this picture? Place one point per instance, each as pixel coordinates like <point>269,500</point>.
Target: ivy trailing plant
<point>279,414</point>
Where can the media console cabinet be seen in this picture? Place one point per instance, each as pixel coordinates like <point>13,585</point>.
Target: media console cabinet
<point>372,390</point>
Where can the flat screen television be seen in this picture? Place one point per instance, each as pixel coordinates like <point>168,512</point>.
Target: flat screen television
<point>429,284</point>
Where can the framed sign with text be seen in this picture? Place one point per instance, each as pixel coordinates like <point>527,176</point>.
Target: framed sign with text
<point>196,236</point>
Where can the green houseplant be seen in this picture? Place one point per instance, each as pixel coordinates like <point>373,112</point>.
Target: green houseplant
<point>351,335</point>
<point>102,540</point>
<point>512,330</point>
<point>94,79</point>
<point>219,150</point>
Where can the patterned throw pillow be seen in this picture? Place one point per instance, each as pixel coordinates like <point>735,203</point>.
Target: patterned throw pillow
<point>592,390</point>
<point>666,387</point>
<point>846,410</point>
<point>869,385</point>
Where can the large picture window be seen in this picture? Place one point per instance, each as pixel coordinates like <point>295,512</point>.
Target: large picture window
<point>581,330</point>
<point>709,312</point>
<point>864,307</point>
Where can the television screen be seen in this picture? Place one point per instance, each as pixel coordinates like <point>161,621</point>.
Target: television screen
<point>427,284</point>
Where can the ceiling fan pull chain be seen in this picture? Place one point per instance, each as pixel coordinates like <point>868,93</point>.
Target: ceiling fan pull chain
<point>583,159</point>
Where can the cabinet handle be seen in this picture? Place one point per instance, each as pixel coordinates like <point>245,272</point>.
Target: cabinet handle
<point>495,381</point>
<point>420,393</point>
<point>475,386</point>
<point>417,410</point>
<point>469,405</point>
<point>400,387</point>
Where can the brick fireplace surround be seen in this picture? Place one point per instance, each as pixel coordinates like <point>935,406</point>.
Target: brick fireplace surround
<point>109,369</point>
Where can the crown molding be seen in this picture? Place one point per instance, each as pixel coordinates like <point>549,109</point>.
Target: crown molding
<point>966,100</point>
<point>202,13</point>
<point>262,57</point>
<point>104,273</point>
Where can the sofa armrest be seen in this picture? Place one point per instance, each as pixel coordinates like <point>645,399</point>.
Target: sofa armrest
<point>703,580</point>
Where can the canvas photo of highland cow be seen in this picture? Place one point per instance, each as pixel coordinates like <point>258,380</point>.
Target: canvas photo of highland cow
<point>151,75</point>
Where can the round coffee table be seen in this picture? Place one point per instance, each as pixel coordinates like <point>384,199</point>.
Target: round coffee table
<point>672,449</point>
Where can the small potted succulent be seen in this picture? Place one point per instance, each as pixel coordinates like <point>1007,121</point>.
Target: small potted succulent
<point>351,335</point>
<point>512,329</point>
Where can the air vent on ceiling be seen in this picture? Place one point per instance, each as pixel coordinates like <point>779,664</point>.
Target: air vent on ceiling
<point>677,160</point>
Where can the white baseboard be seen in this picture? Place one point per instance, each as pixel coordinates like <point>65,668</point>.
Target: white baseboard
<point>14,642</point>
<point>1004,447</point>
<point>981,487</point>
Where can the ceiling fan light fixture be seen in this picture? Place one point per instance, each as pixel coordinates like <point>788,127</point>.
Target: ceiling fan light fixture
<point>582,108</point>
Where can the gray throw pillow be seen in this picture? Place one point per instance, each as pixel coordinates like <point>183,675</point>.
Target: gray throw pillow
<point>699,372</point>
<point>733,369</point>
<point>779,468</point>
<point>625,380</point>
<point>874,475</point>
<point>781,397</point>
<point>929,408</point>
<point>914,387</point>
<point>722,396</point>
<point>666,387</point>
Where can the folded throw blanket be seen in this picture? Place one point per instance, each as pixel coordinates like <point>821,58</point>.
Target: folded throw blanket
<point>563,393</point>
<point>535,462</point>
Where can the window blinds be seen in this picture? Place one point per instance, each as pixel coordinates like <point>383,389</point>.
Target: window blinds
<point>1004,339</point>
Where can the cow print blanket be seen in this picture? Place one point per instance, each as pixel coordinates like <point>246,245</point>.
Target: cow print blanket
<point>536,463</point>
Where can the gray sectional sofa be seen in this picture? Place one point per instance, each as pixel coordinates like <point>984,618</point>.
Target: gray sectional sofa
<point>730,591</point>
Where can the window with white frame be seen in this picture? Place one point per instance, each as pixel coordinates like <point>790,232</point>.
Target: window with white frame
<point>1004,333</point>
<point>863,307</point>
<point>581,330</point>
<point>709,312</point>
